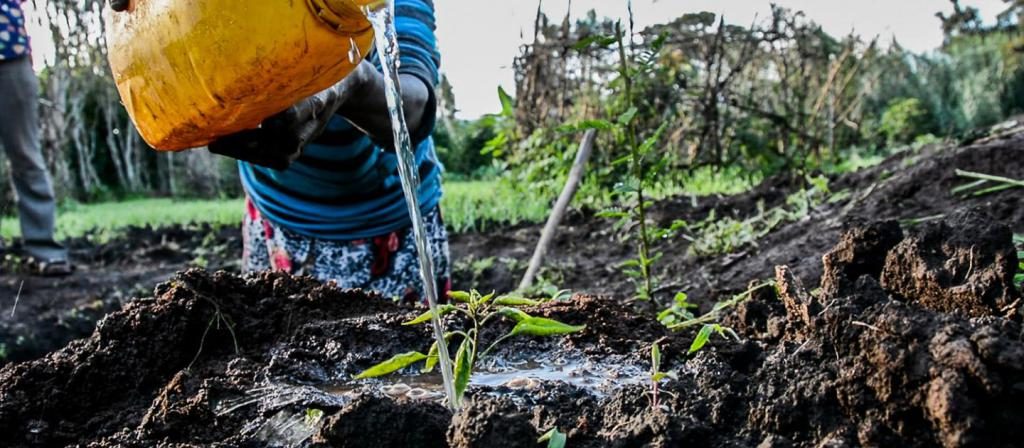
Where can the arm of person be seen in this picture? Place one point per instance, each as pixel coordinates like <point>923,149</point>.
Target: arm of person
<point>418,74</point>
<point>360,98</point>
<point>367,108</point>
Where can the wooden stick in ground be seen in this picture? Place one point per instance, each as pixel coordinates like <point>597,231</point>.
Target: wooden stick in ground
<point>571,185</point>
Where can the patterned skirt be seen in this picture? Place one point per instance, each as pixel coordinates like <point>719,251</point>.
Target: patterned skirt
<point>387,264</point>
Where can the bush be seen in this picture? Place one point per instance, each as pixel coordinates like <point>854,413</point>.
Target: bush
<point>904,120</point>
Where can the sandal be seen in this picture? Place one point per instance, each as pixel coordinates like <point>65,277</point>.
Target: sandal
<point>52,268</point>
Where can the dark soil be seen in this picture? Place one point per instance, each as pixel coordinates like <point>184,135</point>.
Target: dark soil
<point>40,315</point>
<point>854,364</point>
<point>880,332</point>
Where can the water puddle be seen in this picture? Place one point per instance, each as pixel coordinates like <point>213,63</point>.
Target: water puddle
<point>598,380</point>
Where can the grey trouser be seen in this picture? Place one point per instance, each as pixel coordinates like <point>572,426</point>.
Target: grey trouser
<point>19,136</point>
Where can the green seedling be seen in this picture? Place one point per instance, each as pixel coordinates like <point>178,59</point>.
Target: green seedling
<point>678,317</point>
<point>479,310</point>
<point>704,335</point>
<point>657,376</point>
<point>984,184</point>
<point>313,417</point>
<point>554,438</point>
<point>642,164</point>
<point>680,311</point>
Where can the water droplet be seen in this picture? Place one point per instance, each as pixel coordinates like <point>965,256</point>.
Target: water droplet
<point>354,55</point>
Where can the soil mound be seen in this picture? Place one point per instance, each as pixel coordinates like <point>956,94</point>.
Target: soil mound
<point>963,265</point>
<point>256,361</point>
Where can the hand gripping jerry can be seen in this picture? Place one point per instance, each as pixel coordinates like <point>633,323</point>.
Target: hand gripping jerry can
<point>190,71</point>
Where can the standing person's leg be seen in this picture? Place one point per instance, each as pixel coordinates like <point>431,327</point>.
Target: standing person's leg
<point>19,135</point>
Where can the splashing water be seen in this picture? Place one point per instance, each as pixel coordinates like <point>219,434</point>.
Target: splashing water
<point>381,16</point>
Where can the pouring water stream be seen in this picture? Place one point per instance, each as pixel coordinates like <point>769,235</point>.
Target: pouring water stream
<point>381,16</point>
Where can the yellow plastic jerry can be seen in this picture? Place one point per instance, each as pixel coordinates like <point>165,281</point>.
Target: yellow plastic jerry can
<point>190,71</point>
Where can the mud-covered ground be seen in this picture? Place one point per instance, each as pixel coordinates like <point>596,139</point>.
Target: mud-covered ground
<point>912,339</point>
<point>884,331</point>
<point>39,315</point>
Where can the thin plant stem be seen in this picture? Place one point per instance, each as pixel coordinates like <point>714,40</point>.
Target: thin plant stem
<point>643,248</point>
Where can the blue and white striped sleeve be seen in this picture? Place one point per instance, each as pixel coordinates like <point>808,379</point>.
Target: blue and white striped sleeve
<point>414,22</point>
<point>418,56</point>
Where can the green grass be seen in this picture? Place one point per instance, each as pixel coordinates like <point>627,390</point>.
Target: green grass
<point>474,205</point>
<point>467,206</point>
<point>75,220</point>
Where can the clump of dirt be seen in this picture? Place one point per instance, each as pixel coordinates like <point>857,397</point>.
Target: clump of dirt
<point>963,265</point>
<point>218,358</point>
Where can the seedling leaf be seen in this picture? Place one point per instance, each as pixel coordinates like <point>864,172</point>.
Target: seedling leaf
<point>514,314</point>
<point>541,326</point>
<point>432,358</point>
<point>463,368</point>
<point>459,296</point>
<point>515,301</point>
<point>396,363</point>
<point>508,105</point>
<point>554,438</point>
<point>627,116</point>
<point>425,317</point>
<point>485,299</point>
<point>702,338</point>
<point>596,40</point>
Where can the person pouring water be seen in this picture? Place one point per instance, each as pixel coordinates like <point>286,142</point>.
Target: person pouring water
<point>323,195</point>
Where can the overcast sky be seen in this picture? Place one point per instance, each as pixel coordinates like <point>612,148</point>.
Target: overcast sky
<point>479,38</point>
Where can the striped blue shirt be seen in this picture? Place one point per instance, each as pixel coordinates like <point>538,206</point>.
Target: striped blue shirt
<point>344,186</point>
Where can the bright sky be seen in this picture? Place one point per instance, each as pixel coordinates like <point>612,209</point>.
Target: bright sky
<point>479,38</point>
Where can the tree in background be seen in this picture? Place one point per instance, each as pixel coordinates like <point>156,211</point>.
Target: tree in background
<point>90,144</point>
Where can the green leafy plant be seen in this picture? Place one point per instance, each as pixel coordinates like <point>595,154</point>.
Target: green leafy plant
<point>478,310</point>
<point>716,235</point>
<point>678,317</point>
<point>657,375</point>
<point>644,160</point>
<point>905,119</point>
<point>554,438</point>
<point>680,311</point>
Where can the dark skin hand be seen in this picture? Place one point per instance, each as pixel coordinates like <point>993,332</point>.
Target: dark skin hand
<point>360,98</point>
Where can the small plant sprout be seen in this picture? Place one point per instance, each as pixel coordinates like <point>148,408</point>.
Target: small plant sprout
<point>984,184</point>
<point>313,417</point>
<point>704,335</point>
<point>680,311</point>
<point>657,376</point>
<point>554,438</point>
<point>479,310</point>
<point>678,317</point>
